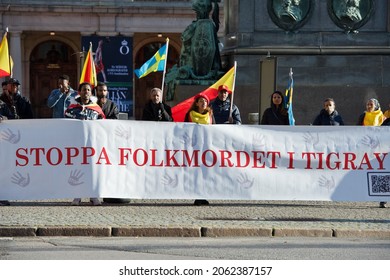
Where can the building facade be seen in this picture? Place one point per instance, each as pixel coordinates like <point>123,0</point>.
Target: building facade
<point>45,40</point>
<point>331,53</point>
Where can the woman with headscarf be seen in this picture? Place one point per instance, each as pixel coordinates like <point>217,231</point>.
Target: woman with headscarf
<point>373,116</point>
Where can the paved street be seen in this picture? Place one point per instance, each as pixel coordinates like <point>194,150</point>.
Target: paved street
<point>180,218</point>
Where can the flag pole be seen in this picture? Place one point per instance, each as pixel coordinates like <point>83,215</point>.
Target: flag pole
<point>165,67</point>
<point>233,87</point>
<point>9,54</point>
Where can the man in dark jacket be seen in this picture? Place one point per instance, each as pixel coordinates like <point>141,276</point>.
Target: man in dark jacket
<point>4,114</point>
<point>328,115</point>
<point>221,108</point>
<point>19,105</point>
<point>156,109</point>
<point>109,108</point>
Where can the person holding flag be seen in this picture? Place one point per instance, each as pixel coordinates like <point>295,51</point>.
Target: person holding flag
<point>85,109</point>
<point>180,110</point>
<point>225,112</point>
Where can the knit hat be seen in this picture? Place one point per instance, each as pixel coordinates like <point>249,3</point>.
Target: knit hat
<point>201,95</point>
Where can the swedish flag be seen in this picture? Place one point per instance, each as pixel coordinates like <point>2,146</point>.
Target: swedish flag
<point>288,98</point>
<point>156,63</point>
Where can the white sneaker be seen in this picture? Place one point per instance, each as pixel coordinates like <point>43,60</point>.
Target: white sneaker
<point>76,202</point>
<point>95,201</point>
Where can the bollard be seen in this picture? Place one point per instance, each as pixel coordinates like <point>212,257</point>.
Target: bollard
<point>253,118</point>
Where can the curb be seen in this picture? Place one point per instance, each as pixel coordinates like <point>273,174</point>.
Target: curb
<point>189,232</point>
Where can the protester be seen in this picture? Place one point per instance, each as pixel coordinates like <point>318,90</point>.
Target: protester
<point>200,113</point>
<point>329,115</point>
<point>221,108</point>
<point>373,116</point>
<point>156,109</point>
<point>19,105</point>
<point>276,114</point>
<point>387,113</point>
<point>85,109</point>
<point>109,108</point>
<point>5,112</point>
<point>60,98</point>
<point>111,111</point>
<point>4,115</point>
<point>4,86</point>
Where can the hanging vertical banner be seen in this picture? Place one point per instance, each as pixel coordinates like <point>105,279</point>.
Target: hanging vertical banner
<point>113,57</point>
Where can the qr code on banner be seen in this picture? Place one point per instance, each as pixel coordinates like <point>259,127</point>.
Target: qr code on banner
<point>379,184</point>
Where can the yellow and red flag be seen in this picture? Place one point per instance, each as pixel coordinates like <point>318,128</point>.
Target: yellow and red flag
<point>180,110</point>
<point>5,59</point>
<point>88,75</point>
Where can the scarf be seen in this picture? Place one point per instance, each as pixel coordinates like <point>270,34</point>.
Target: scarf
<point>200,118</point>
<point>374,118</point>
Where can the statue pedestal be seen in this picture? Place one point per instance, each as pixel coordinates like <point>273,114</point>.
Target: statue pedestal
<point>185,91</point>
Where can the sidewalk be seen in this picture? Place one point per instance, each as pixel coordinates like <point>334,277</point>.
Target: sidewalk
<point>180,218</point>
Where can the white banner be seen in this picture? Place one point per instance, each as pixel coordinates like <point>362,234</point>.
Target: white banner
<point>62,158</point>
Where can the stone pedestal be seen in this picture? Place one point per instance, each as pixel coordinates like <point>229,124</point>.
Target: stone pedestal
<point>185,91</point>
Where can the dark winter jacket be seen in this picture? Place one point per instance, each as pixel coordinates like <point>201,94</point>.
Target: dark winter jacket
<point>221,111</point>
<point>271,116</point>
<point>325,119</point>
<point>160,112</point>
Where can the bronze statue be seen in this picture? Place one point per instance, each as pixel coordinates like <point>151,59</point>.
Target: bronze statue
<point>290,11</point>
<point>350,15</point>
<point>349,11</point>
<point>199,57</point>
<point>290,15</point>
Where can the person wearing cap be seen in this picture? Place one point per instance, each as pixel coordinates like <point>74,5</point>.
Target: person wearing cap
<point>221,108</point>
<point>5,114</point>
<point>200,113</point>
<point>19,105</point>
<point>60,98</point>
<point>156,109</point>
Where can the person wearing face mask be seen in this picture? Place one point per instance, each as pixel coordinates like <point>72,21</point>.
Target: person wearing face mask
<point>329,115</point>
<point>156,109</point>
<point>60,98</point>
<point>276,114</point>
